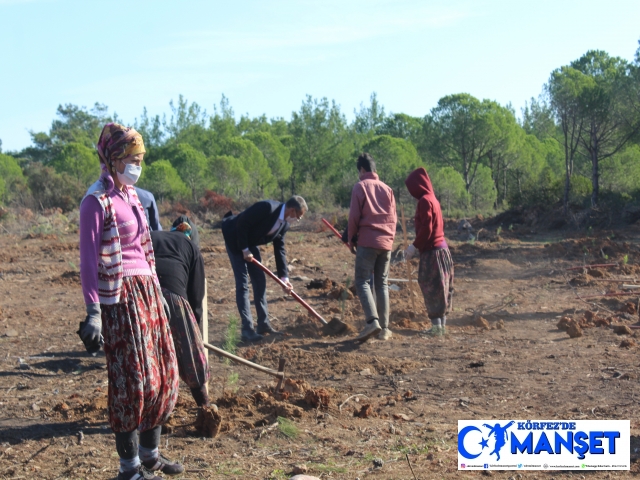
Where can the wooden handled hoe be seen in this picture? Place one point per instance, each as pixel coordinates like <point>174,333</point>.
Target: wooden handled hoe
<point>335,325</point>
<point>279,374</point>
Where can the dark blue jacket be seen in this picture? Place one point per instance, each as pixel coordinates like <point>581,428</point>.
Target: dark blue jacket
<point>150,208</point>
<point>250,228</point>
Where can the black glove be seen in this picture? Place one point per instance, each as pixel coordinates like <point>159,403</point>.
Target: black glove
<point>91,329</point>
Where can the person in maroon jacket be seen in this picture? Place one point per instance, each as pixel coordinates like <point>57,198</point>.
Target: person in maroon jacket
<point>435,275</point>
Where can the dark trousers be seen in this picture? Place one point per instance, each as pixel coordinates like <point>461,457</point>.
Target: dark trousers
<point>243,271</point>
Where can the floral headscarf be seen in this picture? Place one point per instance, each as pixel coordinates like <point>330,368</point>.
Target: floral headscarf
<point>117,142</point>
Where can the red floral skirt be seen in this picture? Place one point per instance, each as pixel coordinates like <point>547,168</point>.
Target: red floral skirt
<point>141,359</point>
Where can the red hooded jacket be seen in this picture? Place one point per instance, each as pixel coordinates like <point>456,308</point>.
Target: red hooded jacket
<point>429,223</point>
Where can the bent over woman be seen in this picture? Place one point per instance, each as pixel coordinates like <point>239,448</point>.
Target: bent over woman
<point>125,305</point>
<point>181,274</point>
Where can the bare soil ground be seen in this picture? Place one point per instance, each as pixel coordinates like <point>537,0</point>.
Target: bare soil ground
<point>503,357</point>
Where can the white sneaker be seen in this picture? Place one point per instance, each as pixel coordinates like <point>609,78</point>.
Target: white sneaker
<point>369,330</point>
<point>385,334</point>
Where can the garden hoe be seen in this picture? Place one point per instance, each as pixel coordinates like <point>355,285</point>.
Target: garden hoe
<point>336,232</point>
<point>334,327</point>
<point>279,374</point>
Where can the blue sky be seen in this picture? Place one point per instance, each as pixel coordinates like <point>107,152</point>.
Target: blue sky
<point>265,56</point>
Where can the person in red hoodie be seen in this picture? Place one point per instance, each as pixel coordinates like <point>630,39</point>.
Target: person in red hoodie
<point>371,231</point>
<point>435,275</point>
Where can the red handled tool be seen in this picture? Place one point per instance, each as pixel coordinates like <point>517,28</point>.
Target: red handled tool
<point>334,327</point>
<point>292,293</point>
<point>334,231</point>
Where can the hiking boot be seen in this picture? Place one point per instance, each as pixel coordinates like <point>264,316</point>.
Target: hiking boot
<point>163,465</point>
<point>369,330</point>
<point>385,334</point>
<point>137,474</point>
<point>434,331</point>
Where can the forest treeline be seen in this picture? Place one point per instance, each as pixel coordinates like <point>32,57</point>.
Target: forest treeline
<point>577,144</point>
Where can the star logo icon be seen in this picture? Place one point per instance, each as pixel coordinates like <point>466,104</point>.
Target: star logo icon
<point>484,443</point>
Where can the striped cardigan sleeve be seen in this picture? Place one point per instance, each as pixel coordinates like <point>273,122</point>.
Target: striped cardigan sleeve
<point>91,227</point>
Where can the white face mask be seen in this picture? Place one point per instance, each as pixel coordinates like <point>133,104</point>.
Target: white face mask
<point>293,219</point>
<point>131,174</point>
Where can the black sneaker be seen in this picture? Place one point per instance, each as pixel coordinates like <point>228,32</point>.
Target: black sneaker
<point>137,474</point>
<point>163,465</point>
<point>250,336</point>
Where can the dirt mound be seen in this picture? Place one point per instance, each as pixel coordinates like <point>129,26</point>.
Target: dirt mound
<point>60,247</point>
<point>622,330</point>
<point>465,249</point>
<point>629,308</point>
<point>581,280</point>
<point>320,284</point>
<point>307,326</point>
<point>482,323</point>
<point>340,292</point>
<point>231,402</point>
<point>365,411</point>
<point>318,398</point>
<point>595,273</point>
<point>304,326</point>
<point>628,343</point>
<point>295,386</point>
<point>337,328</point>
<point>70,277</point>
<point>41,236</point>
<point>408,324</point>
<point>574,330</point>
<point>329,361</point>
<point>564,323</point>
<point>402,314</point>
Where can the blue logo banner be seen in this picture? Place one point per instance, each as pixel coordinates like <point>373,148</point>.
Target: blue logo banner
<point>544,444</point>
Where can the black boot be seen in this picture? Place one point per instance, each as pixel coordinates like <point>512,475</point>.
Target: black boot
<point>267,328</point>
<point>249,336</point>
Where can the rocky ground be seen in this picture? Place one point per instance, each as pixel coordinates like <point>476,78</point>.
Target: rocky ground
<point>524,342</point>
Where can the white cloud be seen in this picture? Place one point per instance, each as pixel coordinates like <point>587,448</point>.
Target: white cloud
<point>300,42</point>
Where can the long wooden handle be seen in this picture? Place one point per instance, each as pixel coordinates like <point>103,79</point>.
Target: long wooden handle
<point>407,265</point>
<point>332,228</point>
<point>292,293</point>
<point>244,361</point>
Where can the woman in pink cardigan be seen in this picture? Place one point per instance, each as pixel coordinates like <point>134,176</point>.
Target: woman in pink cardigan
<point>125,306</point>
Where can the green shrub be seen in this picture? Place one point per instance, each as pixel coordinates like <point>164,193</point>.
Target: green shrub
<point>163,181</point>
